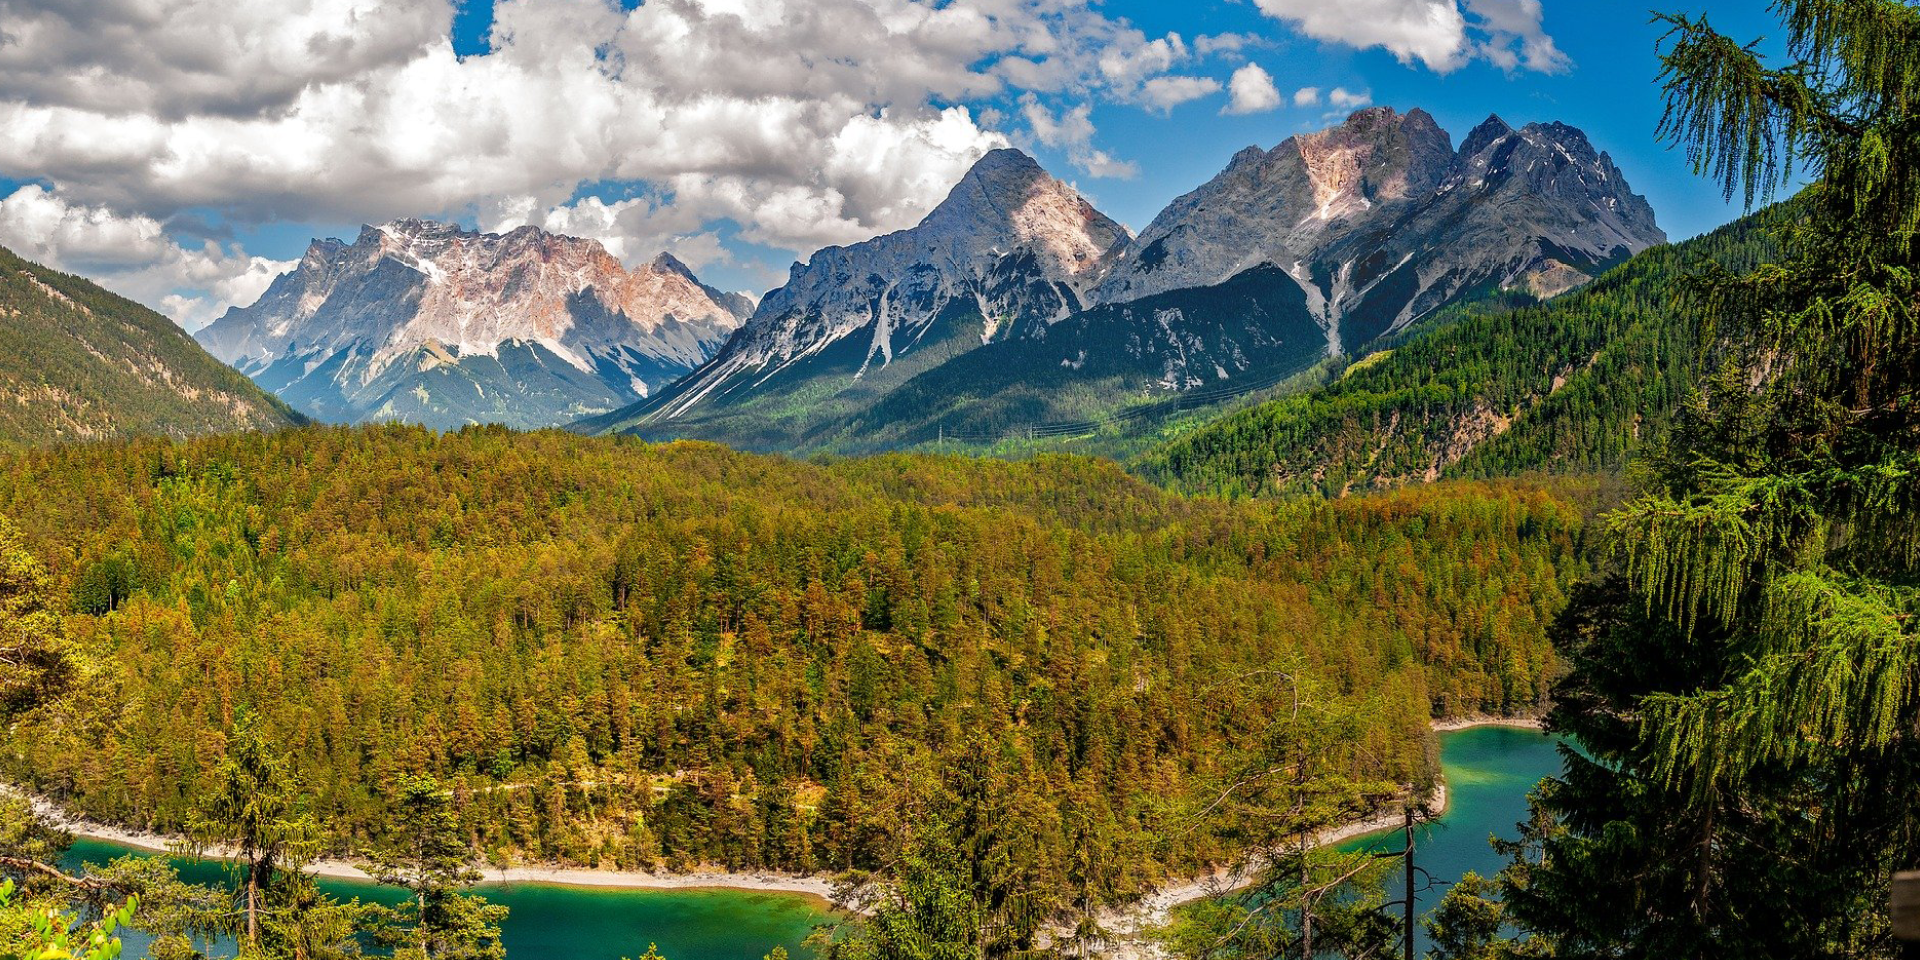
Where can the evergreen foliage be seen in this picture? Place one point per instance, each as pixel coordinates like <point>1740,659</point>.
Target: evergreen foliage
<point>609,653</point>
<point>426,852</point>
<point>1746,689</point>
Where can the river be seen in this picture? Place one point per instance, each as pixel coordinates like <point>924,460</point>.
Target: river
<point>1488,769</point>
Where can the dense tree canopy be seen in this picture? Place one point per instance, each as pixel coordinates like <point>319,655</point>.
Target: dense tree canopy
<point>620,654</point>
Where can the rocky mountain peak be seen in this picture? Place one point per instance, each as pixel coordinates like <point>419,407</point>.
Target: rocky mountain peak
<point>1376,156</point>
<point>1488,132</point>
<point>1007,199</point>
<point>668,263</point>
<point>419,295</point>
<point>1380,221</point>
<point>1010,250</point>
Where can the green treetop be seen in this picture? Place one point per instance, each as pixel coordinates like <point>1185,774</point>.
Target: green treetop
<point>1747,691</point>
<point>426,852</point>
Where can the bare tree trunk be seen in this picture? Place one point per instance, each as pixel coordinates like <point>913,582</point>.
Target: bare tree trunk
<point>1306,902</point>
<point>253,901</point>
<point>1409,866</point>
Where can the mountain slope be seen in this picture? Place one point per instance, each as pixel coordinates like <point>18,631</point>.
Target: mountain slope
<point>1380,221</point>
<point>80,363</point>
<point>1322,246</point>
<point>1010,251</point>
<point>427,323</point>
<point>1569,385</point>
<point>1319,247</point>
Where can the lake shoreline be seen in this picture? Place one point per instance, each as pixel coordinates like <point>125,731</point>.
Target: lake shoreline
<point>1152,910</point>
<point>1131,924</point>
<point>1468,723</point>
<point>811,887</point>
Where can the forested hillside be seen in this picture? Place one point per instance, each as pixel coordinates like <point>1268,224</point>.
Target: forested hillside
<point>80,363</point>
<point>1567,386</point>
<point>637,655</point>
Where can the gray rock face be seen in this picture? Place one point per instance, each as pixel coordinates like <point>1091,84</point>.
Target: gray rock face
<point>1009,244</point>
<point>1380,221</point>
<point>428,323</point>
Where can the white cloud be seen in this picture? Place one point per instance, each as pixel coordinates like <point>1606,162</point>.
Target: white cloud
<point>1224,44</point>
<point>1251,90</point>
<point>1073,132</point>
<point>1164,93</point>
<point>1436,33</point>
<point>173,58</point>
<point>133,256</point>
<point>1345,99</point>
<point>1511,22</point>
<point>1306,97</point>
<point>805,121</point>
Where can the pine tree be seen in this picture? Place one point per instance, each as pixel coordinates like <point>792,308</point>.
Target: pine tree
<point>37,662</point>
<point>1748,692</point>
<point>257,809</point>
<point>426,853</point>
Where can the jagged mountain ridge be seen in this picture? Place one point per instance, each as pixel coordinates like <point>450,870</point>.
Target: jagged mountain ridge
<point>1010,251</point>
<point>1317,247</point>
<point>1571,385</point>
<point>426,322</point>
<point>1381,221</point>
<point>80,363</point>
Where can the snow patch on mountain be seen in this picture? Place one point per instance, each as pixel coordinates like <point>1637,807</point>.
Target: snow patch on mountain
<point>1010,242</point>
<point>413,297</point>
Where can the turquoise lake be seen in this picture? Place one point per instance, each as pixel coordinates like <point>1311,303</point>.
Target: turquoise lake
<point>1489,771</point>
<point>585,923</point>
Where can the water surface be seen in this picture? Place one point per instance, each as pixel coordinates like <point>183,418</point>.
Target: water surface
<point>1489,772</point>
<point>580,923</point>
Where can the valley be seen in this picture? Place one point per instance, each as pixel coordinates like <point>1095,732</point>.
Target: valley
<point>783,480</point>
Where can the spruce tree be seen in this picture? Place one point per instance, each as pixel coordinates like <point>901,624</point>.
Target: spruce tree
<point>1747,691</point>
<point>426,853</point>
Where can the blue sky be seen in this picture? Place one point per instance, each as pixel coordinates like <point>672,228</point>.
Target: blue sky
<point>739,134</point>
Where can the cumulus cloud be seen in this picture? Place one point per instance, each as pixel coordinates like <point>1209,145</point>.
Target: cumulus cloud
<point>803,121</point>
<point>1162,94</point>
<point>1072,131</point>
<point>1251,90</point>
<point>1438,34</point>
<point>133,256</point>
<point>172,58</point>
<point>1306,97</point>
<point>1224,44</point>
<point>1515,24</point>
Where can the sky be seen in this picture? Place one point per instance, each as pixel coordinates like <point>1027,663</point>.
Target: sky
<point>185,152</point>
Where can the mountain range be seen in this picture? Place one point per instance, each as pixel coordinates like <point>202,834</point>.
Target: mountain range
<point>1488,390</point>
<point>428,323</point>
<point>1009,252</point>
<point>1014,302</point>
<point>1318,247</point>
